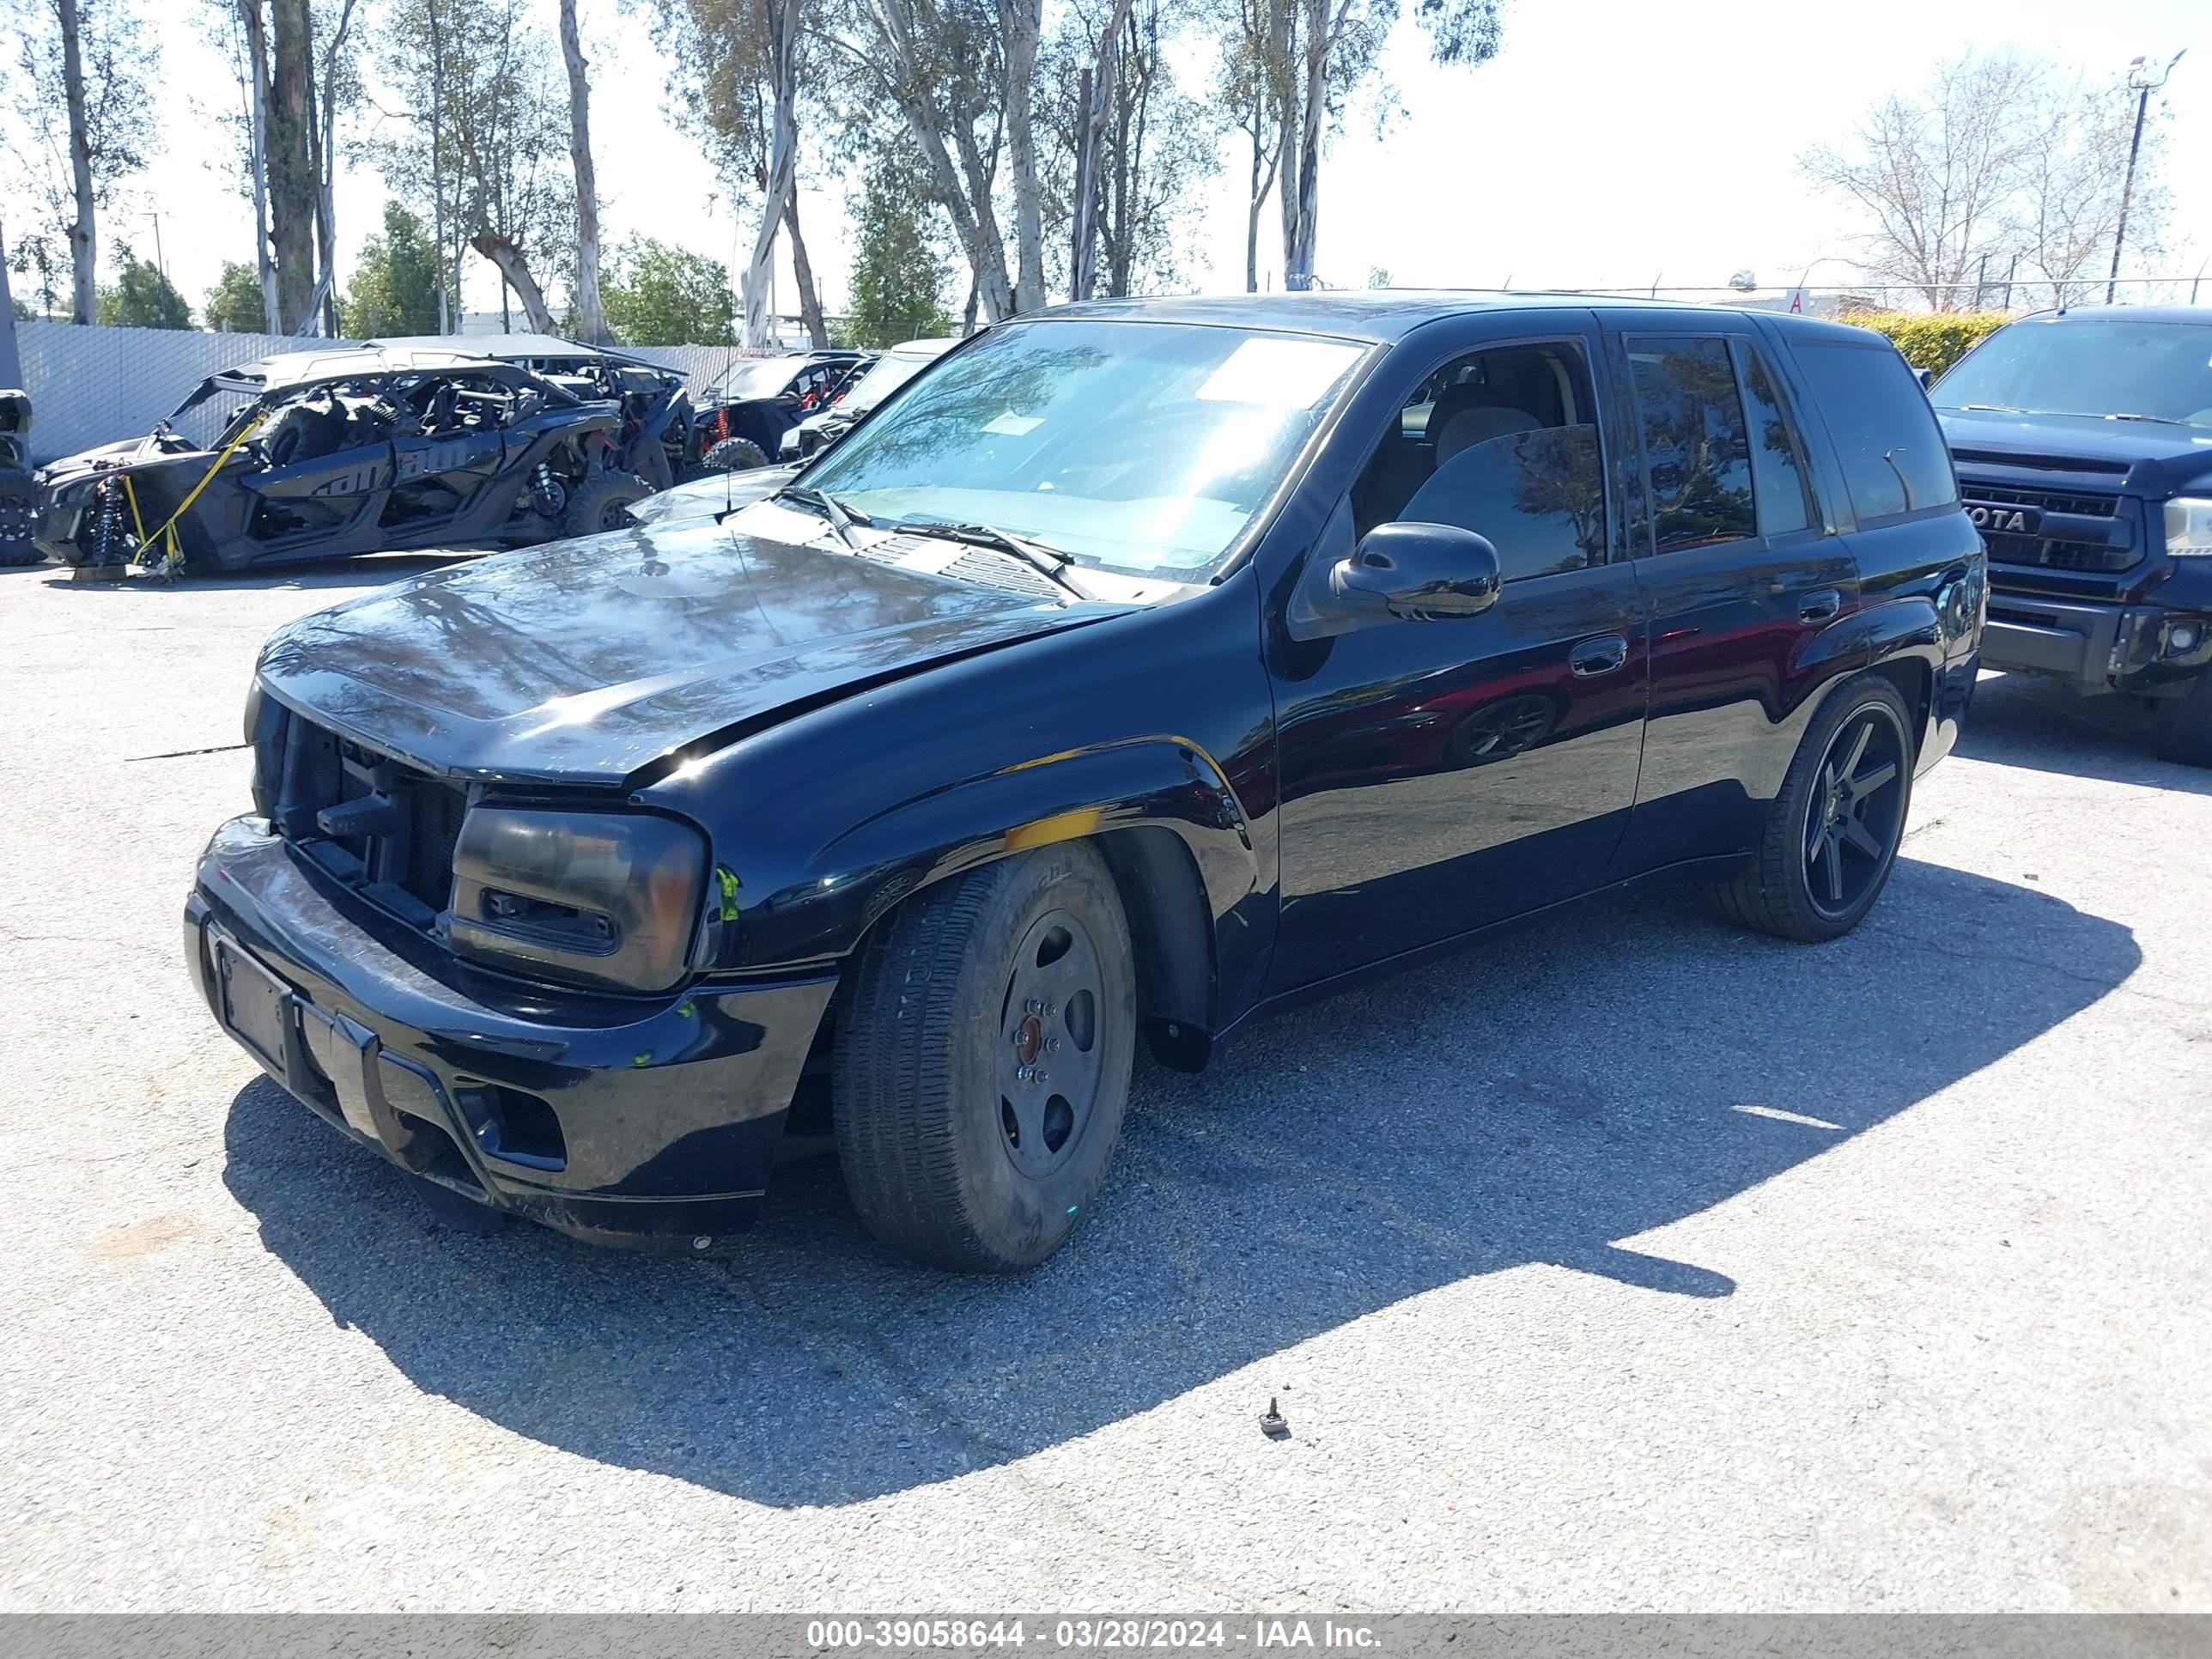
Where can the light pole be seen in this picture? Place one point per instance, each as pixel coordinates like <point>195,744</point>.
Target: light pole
<point>2144,81</point>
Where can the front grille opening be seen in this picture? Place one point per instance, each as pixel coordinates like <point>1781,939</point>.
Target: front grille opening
<point>2056,555</point>
<point>395,841</point>
<point>2050,501</point>
<point>435,811</point>
<point>2047,552</point>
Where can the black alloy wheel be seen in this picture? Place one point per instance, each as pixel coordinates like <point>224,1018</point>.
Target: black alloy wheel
<point>1506,727</point>
<point>1830,840</point>
<point>1854,816</point>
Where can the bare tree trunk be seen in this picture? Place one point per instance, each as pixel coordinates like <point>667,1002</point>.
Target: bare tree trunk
<point>291,163</point>
<point>84,246</point>
<point>783,166</point>
<point>324,131</point>
<point>593,316</point>
<point>1281,30</point>
<point>446,322</point>
<point>256,27</point>
<point>1098,97</point>
<point>1019,23</point>
<point>1252,222</point>
<point>809,302</point>
<point>1321,41</point>
<point>964,190</point>
<point>515,270</point>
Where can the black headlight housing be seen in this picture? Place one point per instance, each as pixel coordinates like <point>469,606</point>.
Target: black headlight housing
<point>607,899</point>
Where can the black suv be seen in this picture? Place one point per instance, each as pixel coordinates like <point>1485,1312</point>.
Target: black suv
<point>1134,668</point>
<point>2084,440</point>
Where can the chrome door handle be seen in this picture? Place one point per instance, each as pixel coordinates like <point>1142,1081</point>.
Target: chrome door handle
<point>1598,656</point>
<point>1818,607</point>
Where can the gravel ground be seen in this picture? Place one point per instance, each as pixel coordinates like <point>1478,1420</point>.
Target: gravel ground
<point>1629,1263</point>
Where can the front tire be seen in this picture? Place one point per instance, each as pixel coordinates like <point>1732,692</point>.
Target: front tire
<point>603,502</point>
<point>734,455</point>
<point>2184,731</point>
<point>1830,838</point>
<point>982,1061</point>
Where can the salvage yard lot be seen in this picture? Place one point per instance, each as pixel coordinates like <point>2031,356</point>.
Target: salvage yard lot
<point>1625,1262</point>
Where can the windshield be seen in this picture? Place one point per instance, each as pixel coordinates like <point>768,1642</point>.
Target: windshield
<point>1145,447</point>
<point>2163,370</point>
<point>888,374</point>
<point>764,378</point>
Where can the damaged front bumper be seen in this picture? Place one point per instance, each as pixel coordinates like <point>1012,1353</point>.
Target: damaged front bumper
<point>647,1121</point>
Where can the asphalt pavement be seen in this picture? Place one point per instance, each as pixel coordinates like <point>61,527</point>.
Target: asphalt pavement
<point>1628,1261</point>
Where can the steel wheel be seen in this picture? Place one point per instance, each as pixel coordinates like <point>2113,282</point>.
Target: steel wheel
<point>1049,1053</point>
<point>981,1063</point>
<point>1856,811</point>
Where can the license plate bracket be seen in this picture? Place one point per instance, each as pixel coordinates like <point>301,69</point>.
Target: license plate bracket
<point>256,1006</point>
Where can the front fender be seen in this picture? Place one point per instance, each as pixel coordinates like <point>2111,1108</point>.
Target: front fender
<point>819,906</point>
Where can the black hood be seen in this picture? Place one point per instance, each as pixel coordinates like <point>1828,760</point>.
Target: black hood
<point>2150,457</point>
<point>583,661</point>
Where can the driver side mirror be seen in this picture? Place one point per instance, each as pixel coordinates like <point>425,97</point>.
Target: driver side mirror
<point>1416,573</point>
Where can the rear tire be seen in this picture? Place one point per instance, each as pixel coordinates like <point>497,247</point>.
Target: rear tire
<point>982,1061</point>
<point>1832,836</point>
<point>602,502</point>
<point>733,455</point>
<point>19,516</point>
<point>2184,731</point>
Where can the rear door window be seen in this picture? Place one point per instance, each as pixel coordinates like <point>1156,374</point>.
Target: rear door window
<point>1696,450</point>
<point>1779,477</point>
<point>1886,435</point>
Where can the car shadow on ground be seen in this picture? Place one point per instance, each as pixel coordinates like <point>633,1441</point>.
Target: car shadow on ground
<point>2021,720</point>
<point>1545,1099</point>
<point>369,570</point>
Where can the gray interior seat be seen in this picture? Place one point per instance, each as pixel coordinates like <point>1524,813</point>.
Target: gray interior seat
<point>1480,425</point>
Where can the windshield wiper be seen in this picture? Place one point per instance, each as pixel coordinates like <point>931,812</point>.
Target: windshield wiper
<point>1040,557</point>
<point>2156,420</point>
<point>1996,409</point>
<point>842,517</point>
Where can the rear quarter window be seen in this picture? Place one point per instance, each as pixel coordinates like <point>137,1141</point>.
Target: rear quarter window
<point>1886,435</point>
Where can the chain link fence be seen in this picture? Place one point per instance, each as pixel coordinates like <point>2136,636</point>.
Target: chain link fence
<point>2019,295</point>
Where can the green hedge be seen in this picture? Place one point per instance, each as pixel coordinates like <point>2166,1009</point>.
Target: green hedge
<point>1933,340</point>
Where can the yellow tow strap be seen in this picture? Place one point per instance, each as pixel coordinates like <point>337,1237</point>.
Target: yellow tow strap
<point>176,553</point>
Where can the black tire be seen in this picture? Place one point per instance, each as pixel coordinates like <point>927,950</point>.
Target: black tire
<point>1830,838</point>
<point>733,455</point>
<point>2184,728</point>
<point>19,515</point>
<point>934,1032</point>
<point>603,502</point>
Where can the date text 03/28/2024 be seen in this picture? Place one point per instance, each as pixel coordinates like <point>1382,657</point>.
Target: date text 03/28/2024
<point>830,1635</point>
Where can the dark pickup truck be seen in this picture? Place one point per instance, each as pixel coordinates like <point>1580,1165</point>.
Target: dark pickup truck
<point>2083,442</point>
